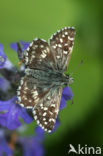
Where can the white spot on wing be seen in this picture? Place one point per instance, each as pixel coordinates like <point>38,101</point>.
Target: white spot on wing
<point>65,52</point>
<point>49,131</point>
<point>58,57</point>
<point>54,46</point>
<point>44,119</point>
<point>19,98</point>
<point>21,105</point>
<point>44,114</point>
<point>48,98</point>
<point>41,46</point>
<point>45,123</point>
<point>43,55</point>
<point>51,119</point>
<point>41,105</point>
<point>66,33</point>
<point>45,108</point>
<point>61,40</point>
<point>31,44</point>
<point>63,35</point>
<point>35,93</point>
<point>38,122</point>
<point>29,107</point>
<point>35,117</point>
<point>34,112</point>
<point>59,45</point>
<point>30,101</point>
<point>70,48</point>
<point>70,38</point>
<point>28,49</point>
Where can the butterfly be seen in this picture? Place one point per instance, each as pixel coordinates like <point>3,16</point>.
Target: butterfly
<point>45,64</point>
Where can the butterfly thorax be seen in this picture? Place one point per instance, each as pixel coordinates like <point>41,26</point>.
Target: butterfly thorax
<point>56,78</point>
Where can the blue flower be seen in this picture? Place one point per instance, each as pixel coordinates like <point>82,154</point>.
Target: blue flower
<point>4,84</point>
<point>4,148</point>
<point>3,57</point>
<point>20,47</point>
<point>39,133</point>
<point>11,113</point>
<point>22,43</point>
<point>67,94</point>
<point>4,62</point>
<point>33,146</point>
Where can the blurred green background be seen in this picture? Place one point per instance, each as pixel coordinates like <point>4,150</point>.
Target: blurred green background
<point>25,20</point>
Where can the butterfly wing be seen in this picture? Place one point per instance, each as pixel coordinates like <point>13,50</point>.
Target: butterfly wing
<point>61,45</point>
<point>39,56</point>
<point>46,111</point>
<point>43,98</point>
<point>31,91</point>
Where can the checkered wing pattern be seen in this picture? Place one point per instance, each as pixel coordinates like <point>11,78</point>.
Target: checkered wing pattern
<point>30,92</point>
<point>39,56</point>
<point>61,44</point>
<point>46,111</point>
<point>43,99</point>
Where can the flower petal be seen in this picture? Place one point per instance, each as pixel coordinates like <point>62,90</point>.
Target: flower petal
<point>13,118</point>
<point>4,148</point>
<point>67,93</point>
<point>8,64</point>
<point>13,46</point>
<point>5,105</point>
<point>23,44</point>
<point>9,119</point>
<point>24,115</point>
<point>3,57</point>
<point>4,84</point>
<point>39,130</point>
<point>3,119</point>
<point>14,111</point>
<point>32,146</point>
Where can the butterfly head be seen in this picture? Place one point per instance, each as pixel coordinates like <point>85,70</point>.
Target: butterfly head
<point>67,79</point>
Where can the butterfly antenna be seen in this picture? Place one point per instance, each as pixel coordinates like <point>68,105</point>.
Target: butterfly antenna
<point>20,54</point>
<point>81,62</point>
<point>19,51</point>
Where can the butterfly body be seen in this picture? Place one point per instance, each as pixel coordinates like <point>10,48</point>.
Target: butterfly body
<point>48,77</point>
<point>41,87</point>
